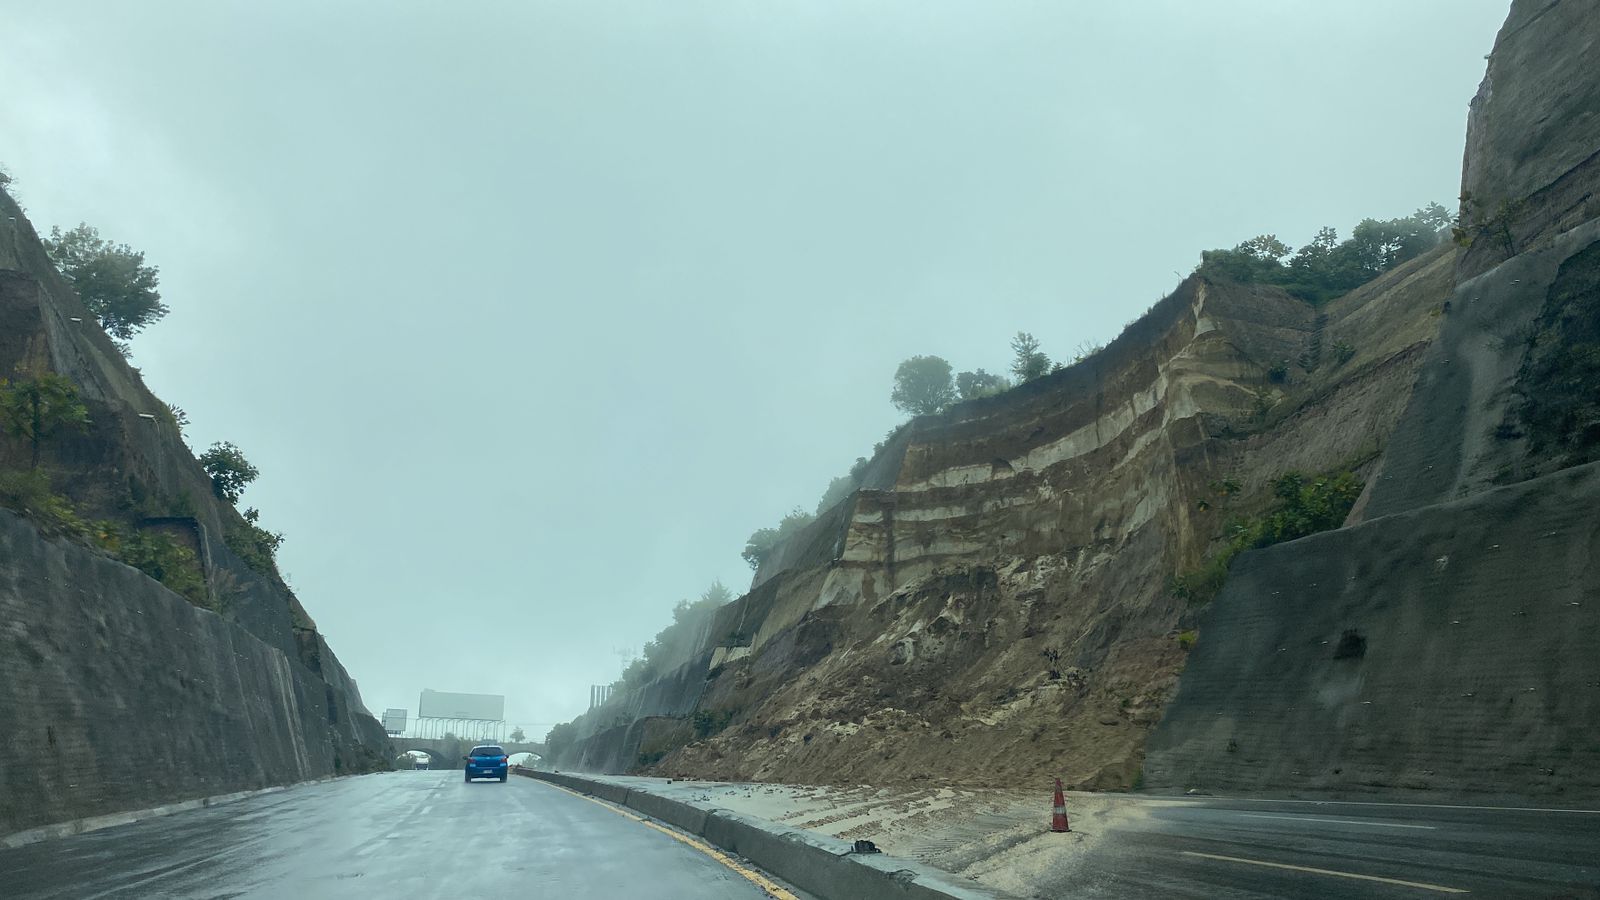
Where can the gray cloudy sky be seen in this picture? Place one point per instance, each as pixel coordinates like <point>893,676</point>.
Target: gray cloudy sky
<point>531,312</point>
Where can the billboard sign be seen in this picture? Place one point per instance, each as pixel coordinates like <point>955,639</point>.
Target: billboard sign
<point>445,705</point>
<point>394,721</point>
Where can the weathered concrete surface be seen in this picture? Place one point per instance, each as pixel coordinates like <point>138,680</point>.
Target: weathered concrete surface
<point>117,694</point>
<point>103,668</point>
<point>1446,652</point>
<point>1460,433</point>
<point>1533,134</point>
<point>1440,648</point>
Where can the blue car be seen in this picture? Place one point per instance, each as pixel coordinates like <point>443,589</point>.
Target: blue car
<point>487,761</point>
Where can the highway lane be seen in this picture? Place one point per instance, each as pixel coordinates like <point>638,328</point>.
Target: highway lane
<point>400,835</point>
<point>1212,847</point>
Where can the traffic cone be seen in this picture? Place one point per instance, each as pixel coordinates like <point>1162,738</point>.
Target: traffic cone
<point>1058,817</point>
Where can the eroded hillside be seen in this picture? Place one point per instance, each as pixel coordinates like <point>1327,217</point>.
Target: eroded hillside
<point>1021,581</point>
<point>1001,597</point>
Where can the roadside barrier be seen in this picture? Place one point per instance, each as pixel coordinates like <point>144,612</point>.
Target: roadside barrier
<point>826,867</point>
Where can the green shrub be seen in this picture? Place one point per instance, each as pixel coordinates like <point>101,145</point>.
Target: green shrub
<point>1302,508</point>
<point>1343,352</point>
<point>1186,639</point>
<point>167,561</point>
<point>39,409</point>
<point>709,722</point>
<point>28,492</point>
<point>255,545</point>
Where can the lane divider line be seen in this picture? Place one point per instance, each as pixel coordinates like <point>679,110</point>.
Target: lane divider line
<point>1336,821</point>
<point>1207,798</point>
<point>761,881</point>
<point>1315,871</point>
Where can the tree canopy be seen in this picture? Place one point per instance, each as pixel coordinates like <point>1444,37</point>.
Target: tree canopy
<point>922,386</point>
<point>111,279</point>
<point>1029,363</point>
<point>673,645</point>
<point>764,540</point>
<point>230,472</point>
<point>975,384</point>
<point>838,489</point>
<point>1327,267</point>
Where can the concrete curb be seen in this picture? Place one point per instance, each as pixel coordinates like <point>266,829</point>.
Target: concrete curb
<point>128,817</point>
<point>812,862</point>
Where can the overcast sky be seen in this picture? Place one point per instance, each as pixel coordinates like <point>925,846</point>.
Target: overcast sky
<point>530,313</point>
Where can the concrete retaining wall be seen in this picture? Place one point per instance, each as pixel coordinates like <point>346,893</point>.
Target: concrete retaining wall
<point>1444,653</point>
<point>117,694</point>
<point>815,863</point>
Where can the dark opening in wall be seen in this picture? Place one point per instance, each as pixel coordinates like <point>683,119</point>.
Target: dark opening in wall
<point>1352,645</point>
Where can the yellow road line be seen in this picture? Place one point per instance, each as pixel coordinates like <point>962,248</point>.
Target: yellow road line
<point>1258,862</point>
<point>756,878</point>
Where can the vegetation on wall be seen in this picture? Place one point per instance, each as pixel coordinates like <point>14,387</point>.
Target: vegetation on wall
<point>40,408</point>
<point>1301,507</point>
<point>28,492</point>
<point>1478,220</point>
<point>257,546</point>
<point>167,561</point>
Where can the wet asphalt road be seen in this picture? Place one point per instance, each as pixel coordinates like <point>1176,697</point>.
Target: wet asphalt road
<point>396,835</point>
<point>1267,849</point>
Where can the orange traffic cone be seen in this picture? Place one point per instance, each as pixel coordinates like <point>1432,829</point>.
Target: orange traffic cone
<point>1058,817</point>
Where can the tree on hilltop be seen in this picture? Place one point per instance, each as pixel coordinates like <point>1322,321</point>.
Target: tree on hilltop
<point>922,386</point>
<point>971,385</point>
<point>1029,363</point>
<point>111,279</point>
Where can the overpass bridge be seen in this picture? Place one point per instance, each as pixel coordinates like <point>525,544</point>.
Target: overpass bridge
<point>446,753</point>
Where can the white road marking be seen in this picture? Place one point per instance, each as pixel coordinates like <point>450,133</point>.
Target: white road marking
<point>1336,821</point>
<point>1205,798</point>
<point>1259,862</point>
<point>427,809</point>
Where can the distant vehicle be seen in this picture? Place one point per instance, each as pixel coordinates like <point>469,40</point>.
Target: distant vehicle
<point>420,764</point>
<point>487,761</point>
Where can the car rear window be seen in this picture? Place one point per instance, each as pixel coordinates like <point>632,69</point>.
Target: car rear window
<point>487,751</point>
